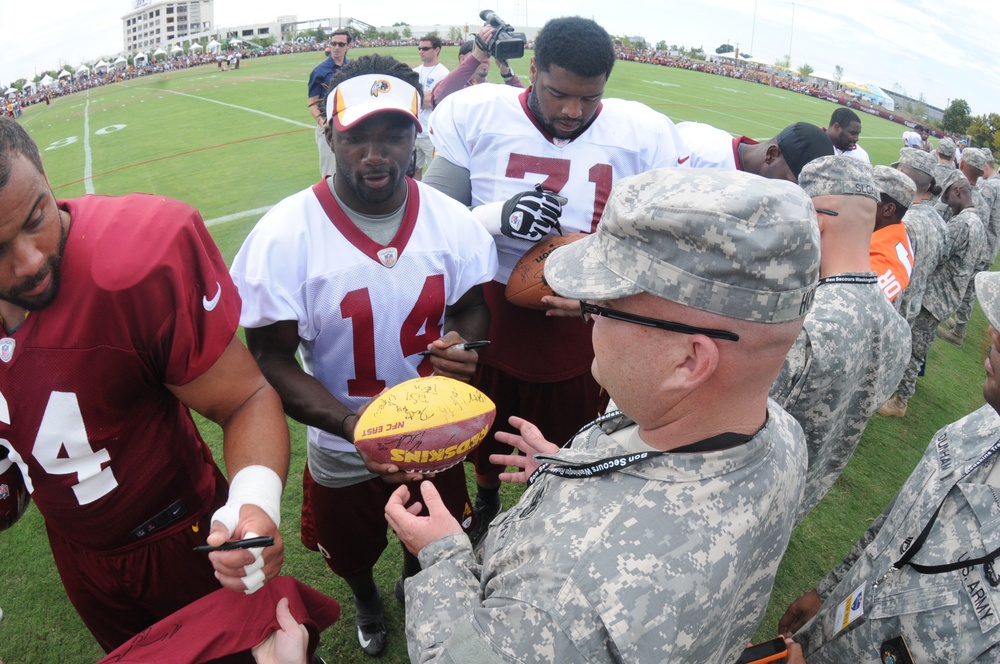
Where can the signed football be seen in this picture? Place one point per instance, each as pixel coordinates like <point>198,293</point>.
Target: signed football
<point>526,286</point>
<point>424,424</point>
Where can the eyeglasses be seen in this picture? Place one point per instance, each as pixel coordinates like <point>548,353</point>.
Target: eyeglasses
<point>829,213</point>
<point>339,44</point>
<point>589,309</point>
<point>425,48</point>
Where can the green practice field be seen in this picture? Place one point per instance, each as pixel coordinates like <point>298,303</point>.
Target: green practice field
<point>233,143</point>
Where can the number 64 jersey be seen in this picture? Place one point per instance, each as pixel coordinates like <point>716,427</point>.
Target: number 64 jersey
<point>144,301</point>
<point>489,130</point>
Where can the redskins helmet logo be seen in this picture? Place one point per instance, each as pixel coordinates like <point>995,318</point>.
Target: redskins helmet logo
<point>380,86</point>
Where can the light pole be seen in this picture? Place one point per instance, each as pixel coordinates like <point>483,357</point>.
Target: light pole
<point>791,34</point>
<point>753,28</point>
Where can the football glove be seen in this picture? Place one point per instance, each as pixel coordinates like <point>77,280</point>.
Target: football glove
<point>531,215</point>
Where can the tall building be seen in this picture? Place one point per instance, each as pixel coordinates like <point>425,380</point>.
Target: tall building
<point>153,23</point>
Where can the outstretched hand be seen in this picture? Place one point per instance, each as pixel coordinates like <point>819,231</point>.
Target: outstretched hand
<point>530,442</point>
<point>414,531</point>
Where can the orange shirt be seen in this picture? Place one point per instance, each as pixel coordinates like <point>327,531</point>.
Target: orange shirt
<point>892,259</point>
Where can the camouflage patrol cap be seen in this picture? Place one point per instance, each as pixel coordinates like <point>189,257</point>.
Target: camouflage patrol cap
<point>802,142</point>
<point>895,184</point>
<point>946,148</point>
<point>918,159</point>
<point>836,176</point>
<point>988,154</point>
<point>726,242</point>
<point>988,294</point>
<point>954,175</point>
<point>974,158</point>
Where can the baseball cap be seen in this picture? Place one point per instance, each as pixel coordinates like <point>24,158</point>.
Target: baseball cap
<point>962,141</point>
<point>832,176</point>
<point>896,185</point>
<point>988,294</point>
<point>974,158</point>
<point>946,148</point>
<point>988,155</point>
<point>918,159</point>
<point>358,97</point>
<point>912,139</point>
<point>726,242</point>
<point>802,142</point>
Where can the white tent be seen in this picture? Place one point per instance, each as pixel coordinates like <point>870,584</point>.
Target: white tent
<point>159,53</point>
<point>101,64</point>
<point>196,47</point>
<point>65,73</point>
<point>235,41</point>
<point>140,59</point>
<point>29,86</point>
<point>176,49</point>
<point>11,92</point>
<point>82,70</point>
<point>46,81</point>
<point>214,46</point>
<point>121,62</point>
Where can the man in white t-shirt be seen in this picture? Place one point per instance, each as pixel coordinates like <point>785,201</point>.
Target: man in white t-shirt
<point>430,71</point>
<point>844,131</point>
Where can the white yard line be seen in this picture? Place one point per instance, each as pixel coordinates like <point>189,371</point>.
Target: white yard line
<point>238,215</point>
<point>241,108</point>
<point>88,161</point>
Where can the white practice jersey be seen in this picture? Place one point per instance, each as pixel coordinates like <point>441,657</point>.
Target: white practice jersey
<point>858,153</point>
<point>711,147</point>
<point>489,130</point>
<point>364,310</point>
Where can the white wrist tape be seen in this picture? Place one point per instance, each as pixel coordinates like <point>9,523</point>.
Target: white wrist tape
<point>253,485</point>
<point>489,216</point>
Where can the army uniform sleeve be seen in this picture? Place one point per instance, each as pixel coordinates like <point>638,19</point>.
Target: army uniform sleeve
<point>447,620</point>
<point>788,384</point>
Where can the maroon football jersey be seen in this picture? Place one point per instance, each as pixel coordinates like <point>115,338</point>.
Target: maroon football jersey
<point>144,300</point>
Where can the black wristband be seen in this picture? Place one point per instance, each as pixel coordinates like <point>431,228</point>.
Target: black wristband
<point>509,74</point>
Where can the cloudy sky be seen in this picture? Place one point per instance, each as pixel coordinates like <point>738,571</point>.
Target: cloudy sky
<point>941,50</point>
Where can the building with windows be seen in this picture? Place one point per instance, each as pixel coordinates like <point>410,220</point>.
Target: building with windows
<point>155,23</point>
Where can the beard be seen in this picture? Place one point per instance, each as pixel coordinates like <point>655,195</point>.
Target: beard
<point>16,295</point>
<point>548,124</point>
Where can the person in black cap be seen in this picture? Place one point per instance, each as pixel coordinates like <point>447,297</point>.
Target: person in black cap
<point>781,158</point>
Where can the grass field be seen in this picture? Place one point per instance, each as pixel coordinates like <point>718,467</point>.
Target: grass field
<point>233,143</point>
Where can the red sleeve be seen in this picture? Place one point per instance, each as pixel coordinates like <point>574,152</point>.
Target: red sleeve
<point>455,80</point>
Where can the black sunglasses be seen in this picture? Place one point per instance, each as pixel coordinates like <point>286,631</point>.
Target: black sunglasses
<point>340,44</point>
<point>425,48</point>
<point>590,309</point>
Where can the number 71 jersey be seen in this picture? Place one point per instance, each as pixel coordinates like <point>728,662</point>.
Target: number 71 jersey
<point>489,130</point>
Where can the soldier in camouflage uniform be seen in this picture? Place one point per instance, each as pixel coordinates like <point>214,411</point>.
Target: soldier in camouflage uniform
<point>987,201</point>
<point>865,606</point>
<point>924,226</point>
<point>945,152</point>
<point>964,248</point>
<point>621,549</point>
<point>853,346</point>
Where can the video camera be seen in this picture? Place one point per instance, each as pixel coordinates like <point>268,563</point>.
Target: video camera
<point>506,44</point>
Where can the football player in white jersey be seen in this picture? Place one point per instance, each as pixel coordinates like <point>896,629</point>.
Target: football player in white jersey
<point>361,273</point>
<point>493,145</point>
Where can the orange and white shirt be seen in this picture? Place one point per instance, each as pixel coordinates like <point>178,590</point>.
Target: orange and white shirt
<point>892,259</point>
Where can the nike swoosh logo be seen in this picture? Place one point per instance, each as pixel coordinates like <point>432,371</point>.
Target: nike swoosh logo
<point>362,640</point>
<point>210,304</point>
<point>682,160</point>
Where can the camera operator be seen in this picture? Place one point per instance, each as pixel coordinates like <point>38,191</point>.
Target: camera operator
<point>473,68</point>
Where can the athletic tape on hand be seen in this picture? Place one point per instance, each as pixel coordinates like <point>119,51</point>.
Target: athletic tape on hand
<point>254,579</point>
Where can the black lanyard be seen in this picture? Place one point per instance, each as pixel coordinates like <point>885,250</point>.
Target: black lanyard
<point>919,542</point>
<point>616,463</point>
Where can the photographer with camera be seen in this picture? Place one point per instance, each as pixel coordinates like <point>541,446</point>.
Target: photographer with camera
<point>474,67</point>
<point>493,145</point>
